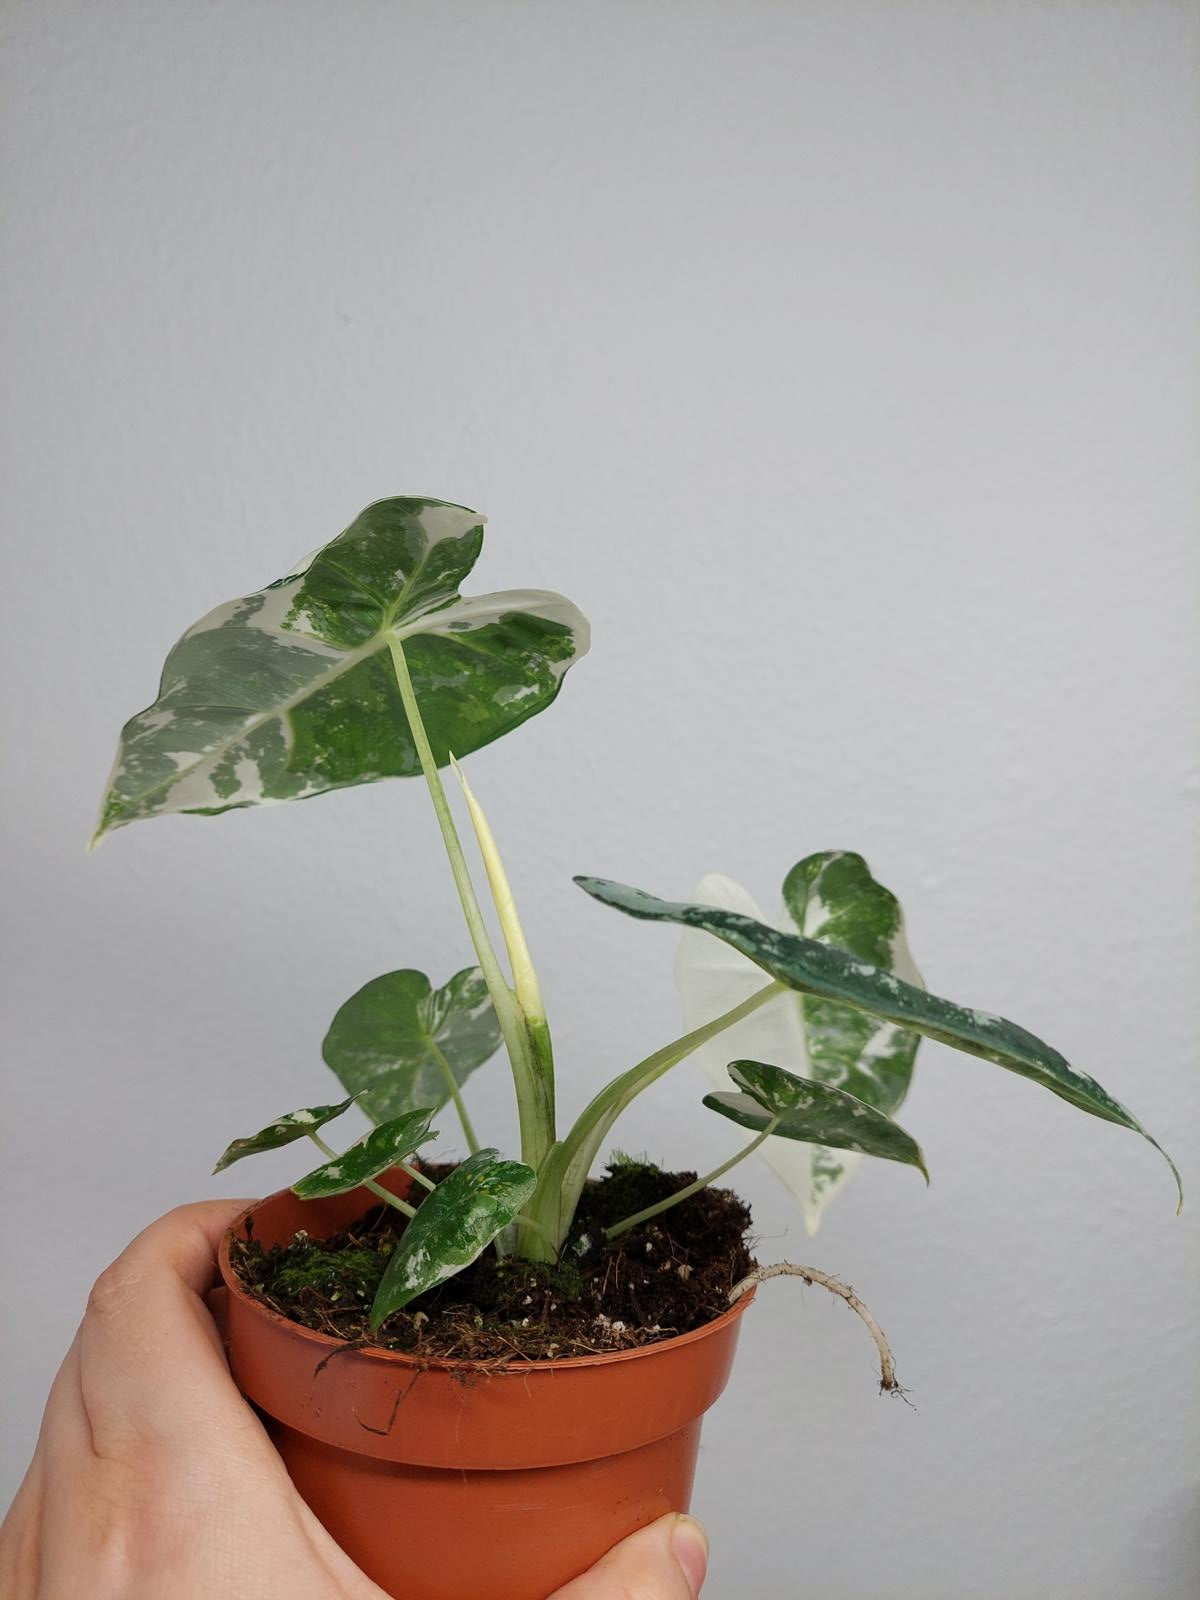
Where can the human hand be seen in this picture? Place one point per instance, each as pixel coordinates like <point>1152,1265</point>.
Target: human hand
<point>153,1476</point>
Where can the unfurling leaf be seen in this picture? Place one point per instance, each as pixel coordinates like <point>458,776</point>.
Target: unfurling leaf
<point>295,1125</point>
<point>831,974</point>
<point>832,897</point>
<point>377,1151</point>
<point>453,1226</point>
<point>291,691</point>
<point>814,1113</point>
<point>400,1043</point>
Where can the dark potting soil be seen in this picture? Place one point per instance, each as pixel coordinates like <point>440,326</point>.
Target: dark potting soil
<point>666,1277</point>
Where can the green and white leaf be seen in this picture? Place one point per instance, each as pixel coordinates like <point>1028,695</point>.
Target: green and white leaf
<point>820,969</point>
<point>285,1129</point>
<point>400,1043</point>
<point>291,691</point>
<point>378,1151</point>
<point>832,897</point>
<point>453,1226</point>
<point>814,1113</point>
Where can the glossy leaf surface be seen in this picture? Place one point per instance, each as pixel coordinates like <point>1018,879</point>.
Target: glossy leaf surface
<point>400,1043</point>
<point>291,691</point>
<point>285,1129</point>
<point>453,1226</point>
<point>832,974</point>
<point>831,897</point>
<point>382,1148</point>
<point>813,1113</point>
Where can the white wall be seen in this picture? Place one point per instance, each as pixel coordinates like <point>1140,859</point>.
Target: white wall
<point>840,360</point>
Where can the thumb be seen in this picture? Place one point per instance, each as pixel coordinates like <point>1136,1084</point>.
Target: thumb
<point>666,1561</point>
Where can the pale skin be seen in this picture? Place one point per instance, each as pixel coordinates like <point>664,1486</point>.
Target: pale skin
<point>153,1478</point>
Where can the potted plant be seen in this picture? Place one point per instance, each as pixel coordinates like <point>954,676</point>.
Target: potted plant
<point>518,1350</point>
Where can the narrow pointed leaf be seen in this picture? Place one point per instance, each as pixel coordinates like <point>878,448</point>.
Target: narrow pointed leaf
<point>813,1113</point>
<point>832,897</point>
<point>285,1129</point>
<point>382,1148</point>
<point>400,1043</point>
<point>814,968</point>
<point>453,1226</point>
<point>290,691</point>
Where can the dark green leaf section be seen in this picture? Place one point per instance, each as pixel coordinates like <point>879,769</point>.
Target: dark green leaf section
<point>382,1148</point>
<point>291,691</point>
<point>832,897</point>
<point>295,1125</point>
<point>400,1043</point>
<point>453,1226</point>
<point>813,1113</point>
<point>820,969</point>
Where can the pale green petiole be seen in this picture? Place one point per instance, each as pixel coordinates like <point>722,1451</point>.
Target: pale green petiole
<point>534,1109</point>
<point>376,1188</point>
<point>561,1180</point>
<point>618,1228</point>
<point>439,1056</point>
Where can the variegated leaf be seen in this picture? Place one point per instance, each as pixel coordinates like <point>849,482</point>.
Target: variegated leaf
<point>291,691</point>
<point>400,1043</point>
<point>801,1109</point>
<point>453,1226</point>
<point>377,1151</point>
<point>832,974</point>
<point>832,897</point>
<point>285,1129</point>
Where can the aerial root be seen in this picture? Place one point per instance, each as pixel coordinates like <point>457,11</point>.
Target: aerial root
<point>811,1275</point>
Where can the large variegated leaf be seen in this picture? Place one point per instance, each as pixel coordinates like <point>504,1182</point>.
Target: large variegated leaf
<point>453,1226</point>
<point>790,1107</point>
<point>832,897</point>
<point>284,1130</point>
<point>384,1147</point>
<point>291,691</point>
<point>400,1043</point>
<point>833,974</point>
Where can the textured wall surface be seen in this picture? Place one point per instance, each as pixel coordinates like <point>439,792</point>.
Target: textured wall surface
<point>840,360</point>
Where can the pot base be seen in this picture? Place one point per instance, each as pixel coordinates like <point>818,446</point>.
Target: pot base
<point>534,1529</point>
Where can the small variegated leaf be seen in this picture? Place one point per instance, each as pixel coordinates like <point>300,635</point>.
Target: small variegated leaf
<point>820,969</point>
<point>832,897</point>
<point>453,1226</point>
<point>377,1151</point>
<point>295,1125</point>
<point>400,1043</point>
<point>291,691</point>
<point>813,1113</point>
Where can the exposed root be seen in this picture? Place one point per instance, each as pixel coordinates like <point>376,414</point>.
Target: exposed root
<point>811,1275</point>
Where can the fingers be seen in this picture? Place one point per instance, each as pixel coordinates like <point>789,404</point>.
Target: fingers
<point>150,1359</point>
<point>666,1561</point>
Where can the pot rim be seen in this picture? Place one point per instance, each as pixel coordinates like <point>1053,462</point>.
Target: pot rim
<point>325,1342</point>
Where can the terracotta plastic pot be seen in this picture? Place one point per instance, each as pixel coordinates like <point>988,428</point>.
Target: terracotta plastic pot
<point>464,1481</point>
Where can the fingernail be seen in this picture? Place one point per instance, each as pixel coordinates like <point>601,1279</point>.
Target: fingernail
<point>689,1546</point>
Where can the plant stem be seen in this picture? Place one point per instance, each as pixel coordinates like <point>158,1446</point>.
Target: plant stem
<point>624,1226</point>
<point>561,1181</point>
<point>536,1118</point>
<point>439,1055</point>
<point>368,1183</point>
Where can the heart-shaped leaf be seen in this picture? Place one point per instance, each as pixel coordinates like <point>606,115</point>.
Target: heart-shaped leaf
<point>832,897</point>
<point>291,691</point>
<point>295,1125</point>
<point>453,1226</point>
<point>832,974</point>
<point>814,1113</point>
<point>384,1147</point>
<point>400,1043</point>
